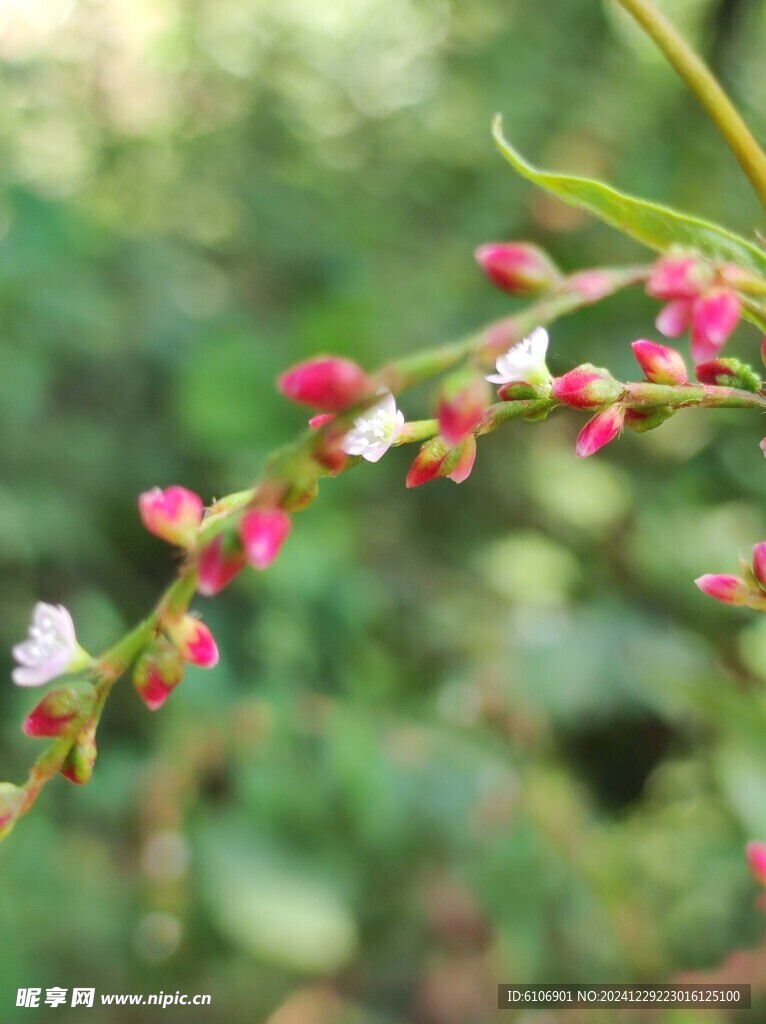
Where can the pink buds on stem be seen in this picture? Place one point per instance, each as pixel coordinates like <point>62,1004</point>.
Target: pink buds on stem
<point>599,431</point>
<point>586,387</point>
<point>329,382</point>
<point>661,364</point>
<point>518,268</point>
<point>725,588</point>
<point>174,514</point>
<point>193,640</point>
<point>463,398</point>
<point>58,710</point>
<point>263,531</point>
<point>219,562</point>
<point>158,671</point>
<point>438,459</point>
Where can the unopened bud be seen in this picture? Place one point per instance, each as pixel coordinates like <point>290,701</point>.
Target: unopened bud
<point>81,759</point>
<point>678,277</point>
<point>599,431</point>
<point>438,459</point>
<point>729,373</point>
<point>725,588</point>
<point>173,514</point>
<point>462,401</point>
<point>519,391</point>
<point>219,562</point>
<point>755,852</point>
<point>263,532</point>
<point>519,268</point>
<point>58,710</point>
<point>586,387</point>
<point>661,364</point>
<point>158,671</point>
<point>194,641</point>
<point>328,382</point>
<point>640,421</point>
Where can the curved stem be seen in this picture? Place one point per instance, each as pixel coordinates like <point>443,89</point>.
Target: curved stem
<point>703,83</point>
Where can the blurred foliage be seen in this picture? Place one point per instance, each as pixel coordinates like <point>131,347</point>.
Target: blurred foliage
<point>460,735</point>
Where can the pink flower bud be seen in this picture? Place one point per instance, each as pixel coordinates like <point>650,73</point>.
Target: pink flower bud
<point>321,420</point>
<point>11,800</point>
<point>193,640</point>
<point>436,459</point>
<point>678,277</point>
<point>756,860</point>
<point>219,563</point>
<point>603,428</point>
<point>675,318</point>
<point>586,387</point>
<point>327,382</point>
<point>263,532</point>
<point>158,671</point>
<point>662,365</point>
<point>58,710</point>
<point>728,373</point>
<point>519,268</point>
<point>461,406</point>
<point>81,759</point>
<point>759,563</point>
<point>714,317</point>
<point>729,589</point>
<point>466,458</point>
<point>173,514</point>
<point>763,351</point>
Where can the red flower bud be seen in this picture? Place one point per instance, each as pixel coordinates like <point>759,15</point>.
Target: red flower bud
<point>678,277</point>
<point>79,763</point>
<point>725,588</point>
<point>462,402</point>
<point>662,365</point>
<point>263,532</point>
<point>603,428</point>
<point>193,640</point>
<point>436,459</point>
<point>759,563</point>
<point>763,351</point>
<point>519,268</point>
<point>173,514</point>
<point>219,563</point>
<point>327,382</point>
<point>158,671</point>
<point>58,709</point>
<point>586,387</point>
<point>756,860</point>
<point>728,373</point>
<point>714,317</point>
<point>321,420</point>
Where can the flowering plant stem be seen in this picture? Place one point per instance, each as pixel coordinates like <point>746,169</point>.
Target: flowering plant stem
<point>701,81</point>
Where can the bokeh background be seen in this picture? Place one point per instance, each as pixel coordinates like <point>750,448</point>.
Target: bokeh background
<point>458,736</point>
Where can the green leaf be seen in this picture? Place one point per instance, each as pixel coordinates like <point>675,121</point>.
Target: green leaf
<point>658,227</point>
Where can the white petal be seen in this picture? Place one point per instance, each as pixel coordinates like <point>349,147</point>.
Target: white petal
<point>30,676</point>
<point>497,378</point>
<point>376,454</point>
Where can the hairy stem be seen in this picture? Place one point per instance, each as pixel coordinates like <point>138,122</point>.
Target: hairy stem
<point>703,83</point>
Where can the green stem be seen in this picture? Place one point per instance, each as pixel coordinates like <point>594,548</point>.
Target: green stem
<point>703,83</point>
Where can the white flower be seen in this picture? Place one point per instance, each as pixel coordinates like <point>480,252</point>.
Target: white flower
<point>51,648</point>
<point>375,430</point>
<point>524,361</point>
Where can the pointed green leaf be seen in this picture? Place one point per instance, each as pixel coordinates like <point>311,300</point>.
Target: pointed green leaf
<point>658,227</point>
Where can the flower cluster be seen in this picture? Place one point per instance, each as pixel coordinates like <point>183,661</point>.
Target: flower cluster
<point>699,297</point>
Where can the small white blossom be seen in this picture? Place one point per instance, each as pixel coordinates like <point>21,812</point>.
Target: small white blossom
<point>51,648</point>
<point>375,430</point>
<point>524,361</point>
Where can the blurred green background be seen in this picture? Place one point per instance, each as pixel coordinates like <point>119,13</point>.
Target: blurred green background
<point>458,736</point>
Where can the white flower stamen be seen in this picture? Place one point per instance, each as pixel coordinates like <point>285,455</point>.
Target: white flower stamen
<point>51,648</point>
<point>375,430</point>
<point>524,361</point>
